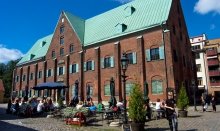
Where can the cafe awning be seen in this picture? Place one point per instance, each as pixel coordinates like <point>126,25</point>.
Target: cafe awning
<point>50,85</point>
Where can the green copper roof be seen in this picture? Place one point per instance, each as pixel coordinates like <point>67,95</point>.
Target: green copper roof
<point>146,14</point>
<point>39,50</point>
<point>77,24</point>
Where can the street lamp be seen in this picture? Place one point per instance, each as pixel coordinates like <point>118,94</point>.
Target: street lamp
<point>124,66</point>
<point>194,94</point>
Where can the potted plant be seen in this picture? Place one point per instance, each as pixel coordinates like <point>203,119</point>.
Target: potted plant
<point>136,110</point>
<point>182,102</point>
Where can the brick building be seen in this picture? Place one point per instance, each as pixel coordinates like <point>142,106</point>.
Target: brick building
<point>153,33</point>
<point>213,58</point>
<point>2,91</point>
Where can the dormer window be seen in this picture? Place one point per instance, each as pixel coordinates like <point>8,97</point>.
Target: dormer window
<point>32,56</point>
<point>121,27</point>
<point>43,43</point>
<point>61,29</point>
<point>129,10</point>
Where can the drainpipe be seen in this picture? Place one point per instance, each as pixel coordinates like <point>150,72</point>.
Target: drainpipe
<point>165,60</point>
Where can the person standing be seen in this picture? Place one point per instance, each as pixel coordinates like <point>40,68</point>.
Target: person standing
<point>170,112</point>
<point>213,101</point>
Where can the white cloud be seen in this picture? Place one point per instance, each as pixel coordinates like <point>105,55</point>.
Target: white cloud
<point>212,26</point>
<point>9,54</point>
<point>206,6</point>
<point>123,1</point>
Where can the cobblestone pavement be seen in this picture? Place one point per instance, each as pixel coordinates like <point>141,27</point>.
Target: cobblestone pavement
<point>196,121</point>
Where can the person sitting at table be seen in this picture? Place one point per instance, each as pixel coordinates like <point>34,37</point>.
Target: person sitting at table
<point>79,105</point>
<point>92,108</point>
<point>40,106</point>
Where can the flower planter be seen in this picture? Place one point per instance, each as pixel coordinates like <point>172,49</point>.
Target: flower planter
<point>182,113</point>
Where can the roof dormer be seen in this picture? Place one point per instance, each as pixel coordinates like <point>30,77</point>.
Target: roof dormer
<point>32,56</point>
<point>43,43</point>
<point>129,10</point>
<point>121,27</point>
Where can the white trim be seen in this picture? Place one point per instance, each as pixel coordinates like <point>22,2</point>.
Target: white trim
<point>210,57</point>
<point>96,48</point>
<point>141,36</point>
<point>116,43</point>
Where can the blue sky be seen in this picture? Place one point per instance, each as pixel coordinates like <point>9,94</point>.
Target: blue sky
<point>24,21</point>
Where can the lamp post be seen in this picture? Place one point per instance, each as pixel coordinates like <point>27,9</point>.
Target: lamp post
<point>194,94</point>
<point>124,66</point>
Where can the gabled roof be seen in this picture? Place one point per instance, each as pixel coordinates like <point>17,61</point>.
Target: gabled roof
<point>147,14</point>
<point>1,86</point>
<point>38,50</point>
<point>77,24</point>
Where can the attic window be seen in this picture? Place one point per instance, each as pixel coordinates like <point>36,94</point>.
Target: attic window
<point>121,27</point>
<point>129,10</point>
<point>62,20</point>
<point>43,43</point>
<point>32,56</point>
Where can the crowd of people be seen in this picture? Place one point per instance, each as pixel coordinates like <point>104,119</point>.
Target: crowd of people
<point>29,106</point>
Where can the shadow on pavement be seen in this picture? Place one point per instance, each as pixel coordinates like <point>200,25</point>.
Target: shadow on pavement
<point>4,126</point>
<point>194,116</point>
<point>157,129</point>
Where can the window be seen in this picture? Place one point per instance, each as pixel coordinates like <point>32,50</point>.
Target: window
<point>107,62</point>
<point>40,74</point>
<point>129,87</point>
<point>184,61</point>
<point>71,48</point>
<point>199,79</point>
<point>49,72</point>
<point>181,37</point>
<point>198,68</point>
<point>179,20</point>
<point>61,71</point>
<point>61,40</point>
<point>31,76</point>
<point>174,30</point>
<point>24,78</point>
<point>157,87</point>
<point>61,29</point>
<point>74,68</point>
<point>61,51</point>
<point>107,90</point>
<point>17,78</point>
<point>196,47</point>
<point>53,54</point>
<point>175,56</point>
<point>154,54</point>
<point>132,59</point>
<point>89,65</point>
<point>197,55</point>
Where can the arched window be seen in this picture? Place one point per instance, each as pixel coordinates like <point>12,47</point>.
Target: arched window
<point>157,85</point>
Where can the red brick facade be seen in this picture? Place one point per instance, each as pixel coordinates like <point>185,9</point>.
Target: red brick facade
<point>171,72</point>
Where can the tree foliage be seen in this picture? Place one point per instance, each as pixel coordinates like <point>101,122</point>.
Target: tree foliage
<point>6,74</point>
<point>183,100</point>
<point>136,104</point>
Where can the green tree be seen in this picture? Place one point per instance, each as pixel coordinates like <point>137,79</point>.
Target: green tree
<point>183,100</point>
<point>136,104</point>
<point>6,74</point>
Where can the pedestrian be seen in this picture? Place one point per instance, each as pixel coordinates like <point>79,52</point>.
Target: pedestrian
<point>170,112</point>
<point>213,101</point>
<point>203,103</point>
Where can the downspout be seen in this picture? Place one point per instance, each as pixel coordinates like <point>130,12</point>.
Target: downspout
<point>165,60</point>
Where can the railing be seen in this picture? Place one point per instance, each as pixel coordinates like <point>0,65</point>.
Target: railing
<point>214,73</point>
<point>212,62</point>
<point>211,52</point>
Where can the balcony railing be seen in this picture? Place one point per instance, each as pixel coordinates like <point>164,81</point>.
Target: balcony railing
<point>214,73</point>
<point>215,83</point>
<point>211,52</point>
<point>213,62</point>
